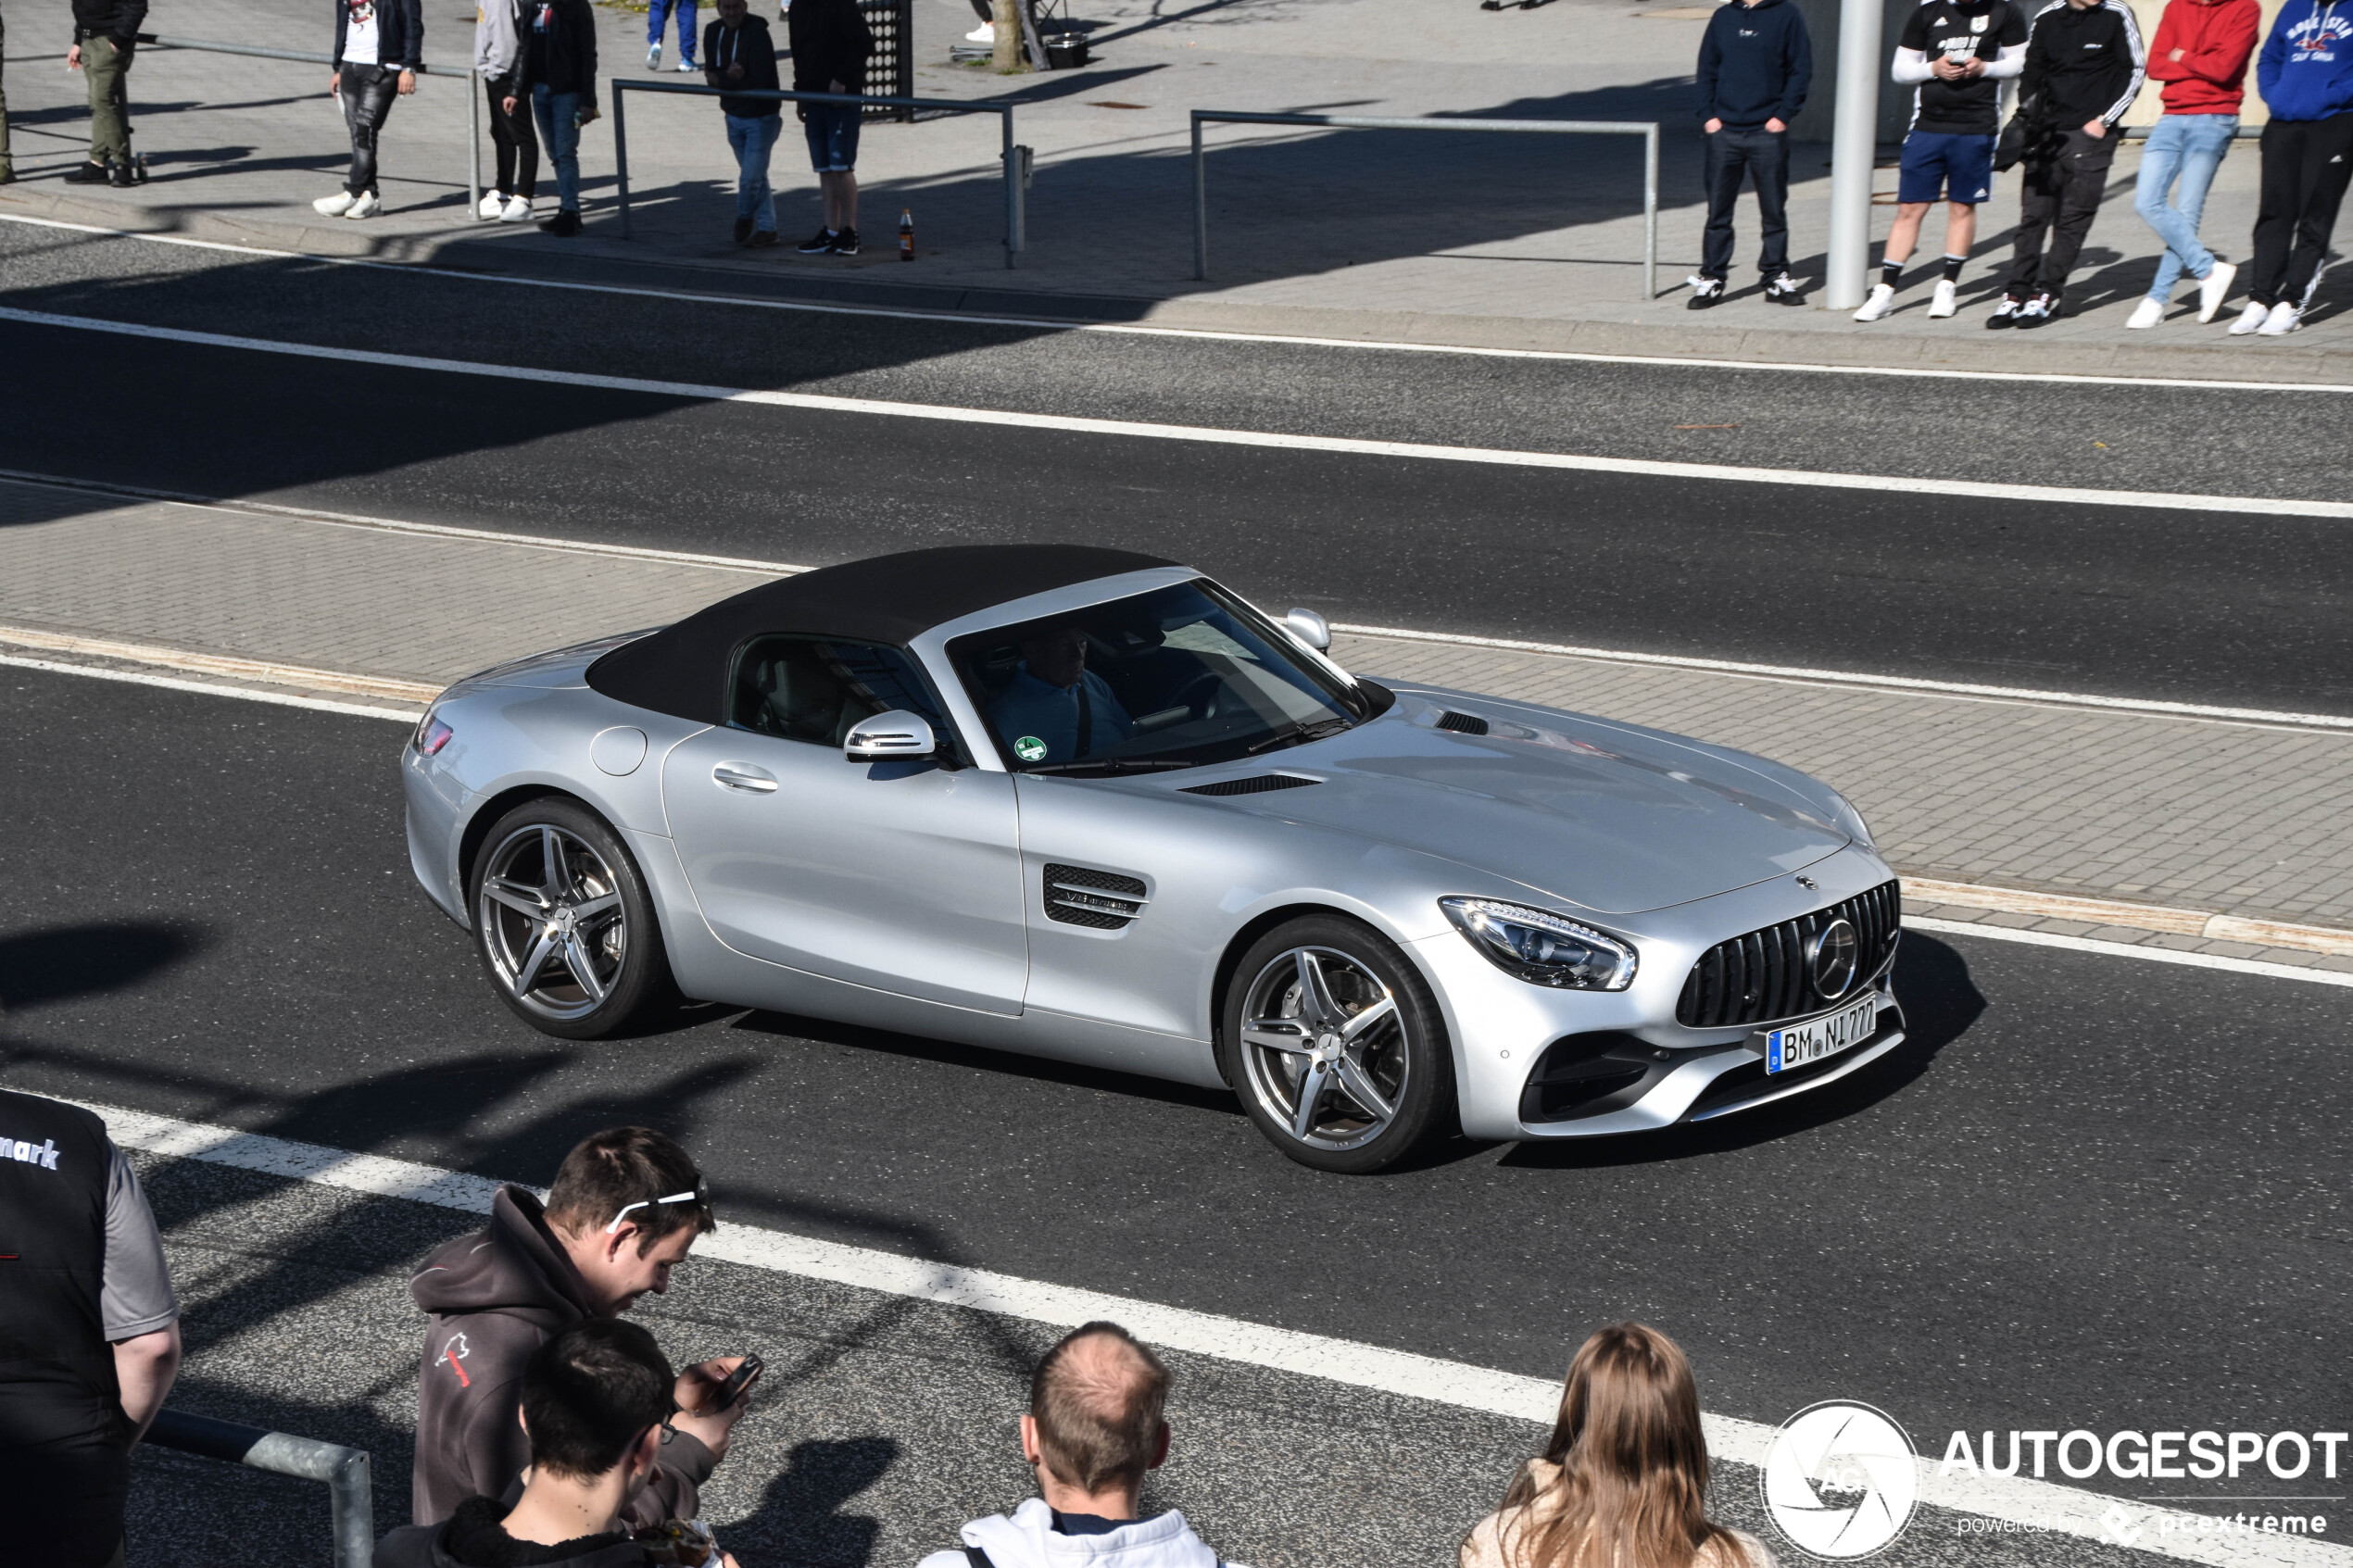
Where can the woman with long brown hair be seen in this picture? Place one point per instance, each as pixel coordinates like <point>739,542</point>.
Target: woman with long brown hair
<point>1623,1483</point>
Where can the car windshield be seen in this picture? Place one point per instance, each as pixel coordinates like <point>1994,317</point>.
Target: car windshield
<point>1170,679</point>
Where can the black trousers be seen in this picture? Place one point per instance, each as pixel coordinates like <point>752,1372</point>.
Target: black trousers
<point>1734,156</point>
<point>2306,165</point>
<point>2061,197</point>
<point>368,92</point>
<point>77,1490</point>
<point>517,143</point>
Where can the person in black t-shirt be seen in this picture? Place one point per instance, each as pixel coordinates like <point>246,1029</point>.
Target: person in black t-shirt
<point>1956,53</point>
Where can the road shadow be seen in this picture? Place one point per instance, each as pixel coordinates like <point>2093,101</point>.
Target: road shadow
<point>801,1518</point>
<point>38,968</point>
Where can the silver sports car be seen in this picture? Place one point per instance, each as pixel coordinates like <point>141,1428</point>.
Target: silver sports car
<point>1091,805</point>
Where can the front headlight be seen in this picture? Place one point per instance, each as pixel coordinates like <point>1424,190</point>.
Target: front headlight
<point>1541,948</point>
<point>1851,822</point>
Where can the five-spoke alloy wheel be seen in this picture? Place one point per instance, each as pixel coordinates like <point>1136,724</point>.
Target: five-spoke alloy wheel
<point>1335,1045</point>
<point>563,923</point>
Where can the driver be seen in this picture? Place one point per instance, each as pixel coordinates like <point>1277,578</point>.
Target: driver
<point>1054,710</point>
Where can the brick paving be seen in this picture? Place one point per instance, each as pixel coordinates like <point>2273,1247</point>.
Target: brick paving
<point>2230,817</point>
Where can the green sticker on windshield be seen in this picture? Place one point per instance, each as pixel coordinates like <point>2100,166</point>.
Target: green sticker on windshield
<point>1029,748</point>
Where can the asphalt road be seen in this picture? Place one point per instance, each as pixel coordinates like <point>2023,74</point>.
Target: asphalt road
<point>2205,606</point>
<point>2094,1191</point>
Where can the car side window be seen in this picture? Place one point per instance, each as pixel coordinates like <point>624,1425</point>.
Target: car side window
<point>815,689</point>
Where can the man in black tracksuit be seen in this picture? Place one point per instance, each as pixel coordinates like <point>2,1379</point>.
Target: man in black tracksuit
<point>105,34</point>
<point>2084,62</point>
<point>1754,65</point>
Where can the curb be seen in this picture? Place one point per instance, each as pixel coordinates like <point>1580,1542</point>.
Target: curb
<point>465,249</point>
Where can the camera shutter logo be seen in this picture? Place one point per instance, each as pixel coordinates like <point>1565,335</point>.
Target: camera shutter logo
<point>1839,1480</point>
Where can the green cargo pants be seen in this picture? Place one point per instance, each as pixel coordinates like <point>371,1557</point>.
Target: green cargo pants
<point>107,64</point>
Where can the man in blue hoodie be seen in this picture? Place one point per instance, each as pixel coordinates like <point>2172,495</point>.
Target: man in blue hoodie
<point>1754,65</point>
<point>2306,76</point>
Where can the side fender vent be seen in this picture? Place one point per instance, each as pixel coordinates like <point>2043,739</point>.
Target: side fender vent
<point>1102,900</point>
<point>1256,784</point>
<point>1462,723</point>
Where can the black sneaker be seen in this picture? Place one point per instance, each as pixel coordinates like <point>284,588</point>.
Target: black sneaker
<point>846,243</point>
<point>563,225</point>
<point>1706,291</point>
<point>817,243</point>
<point>88,174</point>
<point>2040,311</point>
<point>2004,313</point>
<point>761,238</point>
<point>1784,290</point>
<point>119,176</point>
<point>743,230</point>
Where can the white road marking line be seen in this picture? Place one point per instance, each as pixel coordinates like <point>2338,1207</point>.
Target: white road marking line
<point>1878,682</point>
<point>1210,435</point>
<point>209,688</point>
<point>1141,329</point>
<point>2066,1509</point>
<point>226,666</point>
<point>2127,951</point>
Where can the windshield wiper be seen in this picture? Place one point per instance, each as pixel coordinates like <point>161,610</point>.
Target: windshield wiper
<point>1107,765</point>
<point>1299,735</point>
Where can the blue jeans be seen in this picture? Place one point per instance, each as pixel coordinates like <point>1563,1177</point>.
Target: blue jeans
<point>2188,147</point>
<point>753,139</point>
<point>658,11</point>
<point>557,114</point>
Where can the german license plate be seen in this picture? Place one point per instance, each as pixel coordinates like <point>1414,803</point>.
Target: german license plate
<point>1800,1044</point>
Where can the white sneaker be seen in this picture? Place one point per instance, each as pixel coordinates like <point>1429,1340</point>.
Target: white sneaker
<point>516,210</point>
<point>984,33</point>
<point>2250,319</point>
<point>653,57</point>
<point>2146,314</point>
<point>1880,305</point>
<point>1947,299</point>
<point>688,65</point>
<point>368,205</point>
<point>2214,288</point>
<point>2283,320</point>
<point>491,205</point>
<point>334,205</point>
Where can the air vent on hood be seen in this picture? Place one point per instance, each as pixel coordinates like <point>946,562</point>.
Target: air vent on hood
<point>1103,900</point>
<point>1462,723</point>
<point>1255,783</point>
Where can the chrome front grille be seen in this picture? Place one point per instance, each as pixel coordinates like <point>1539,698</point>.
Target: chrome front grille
<point>1764,976</point>
<point>1103,900</point>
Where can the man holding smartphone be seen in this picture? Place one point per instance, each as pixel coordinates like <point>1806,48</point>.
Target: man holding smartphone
<point>626,1208</point>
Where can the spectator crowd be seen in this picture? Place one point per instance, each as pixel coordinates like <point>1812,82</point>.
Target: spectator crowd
<point>552,1433</point>
<point>2064,77</point>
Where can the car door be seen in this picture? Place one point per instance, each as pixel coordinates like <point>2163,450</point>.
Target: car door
<point>904,876</point>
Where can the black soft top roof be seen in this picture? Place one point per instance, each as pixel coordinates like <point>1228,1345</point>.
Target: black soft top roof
<point>682,669</point>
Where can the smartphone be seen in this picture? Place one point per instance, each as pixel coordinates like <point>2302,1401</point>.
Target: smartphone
<point>743,1377</point>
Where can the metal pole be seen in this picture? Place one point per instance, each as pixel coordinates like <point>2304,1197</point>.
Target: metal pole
<point>621,152</point>
<point>1011,160</point>
<point>1650,213</point>
<point>1854,148</point>
<point>1200,206</point>
<point>475,90</point>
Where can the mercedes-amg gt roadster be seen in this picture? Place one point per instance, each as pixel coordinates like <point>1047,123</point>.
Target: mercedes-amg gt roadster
<point>1088,804</point>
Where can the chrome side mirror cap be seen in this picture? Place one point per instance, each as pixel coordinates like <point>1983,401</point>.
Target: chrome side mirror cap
<point>1309,628</point>
<point>895,737</point>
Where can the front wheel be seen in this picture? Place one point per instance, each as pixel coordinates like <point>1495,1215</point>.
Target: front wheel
<point>564,924</point>
<point>1336,1046</point>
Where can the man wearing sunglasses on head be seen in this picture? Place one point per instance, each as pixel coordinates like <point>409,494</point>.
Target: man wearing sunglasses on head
<point>626,1207</point>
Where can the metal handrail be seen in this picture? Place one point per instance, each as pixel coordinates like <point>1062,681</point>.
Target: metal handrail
<point>1647,130</point>
<point>351,1502</point>
<point>306,57</point>
<point>1017,159</point>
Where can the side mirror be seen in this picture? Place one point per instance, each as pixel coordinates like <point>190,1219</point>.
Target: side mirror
<point>1309,628</point>
<point>895,737</point>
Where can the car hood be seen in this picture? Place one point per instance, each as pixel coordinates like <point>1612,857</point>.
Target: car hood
<point>1608,817</point>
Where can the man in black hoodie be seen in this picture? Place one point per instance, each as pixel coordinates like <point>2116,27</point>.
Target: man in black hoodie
<point>830,44</point>
<point>626,1208</point>
<point>2084,62</point>
<point>104,34</point>
<point>1754,65</point>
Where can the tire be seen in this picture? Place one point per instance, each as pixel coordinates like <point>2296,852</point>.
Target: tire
<point>605,922</point>
<point>1388,1053</point>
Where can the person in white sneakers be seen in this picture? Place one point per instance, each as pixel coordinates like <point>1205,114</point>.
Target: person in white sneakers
<point>1094,1427</point>
<point>2306,76</point>
<point>1954,55</point>
<point>2200,54</point>
<point>379,44</point>
<point>497,50</point>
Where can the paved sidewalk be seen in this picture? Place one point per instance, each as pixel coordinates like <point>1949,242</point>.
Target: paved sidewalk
<point>1483,241</point>
<point>2238,819</point>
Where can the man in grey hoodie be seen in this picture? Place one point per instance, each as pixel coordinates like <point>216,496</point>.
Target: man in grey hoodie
<point>626,1207</point>
<point>497,50</point>
<point>1095,1426</point>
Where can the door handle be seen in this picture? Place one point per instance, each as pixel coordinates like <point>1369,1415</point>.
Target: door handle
<point>742,775</point>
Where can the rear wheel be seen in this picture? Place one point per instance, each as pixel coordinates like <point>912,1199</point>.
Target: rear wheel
<point>564,924</point>
<point>1336,1046</point>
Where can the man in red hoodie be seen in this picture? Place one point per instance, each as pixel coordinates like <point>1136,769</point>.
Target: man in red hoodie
<point>2200,54</point>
